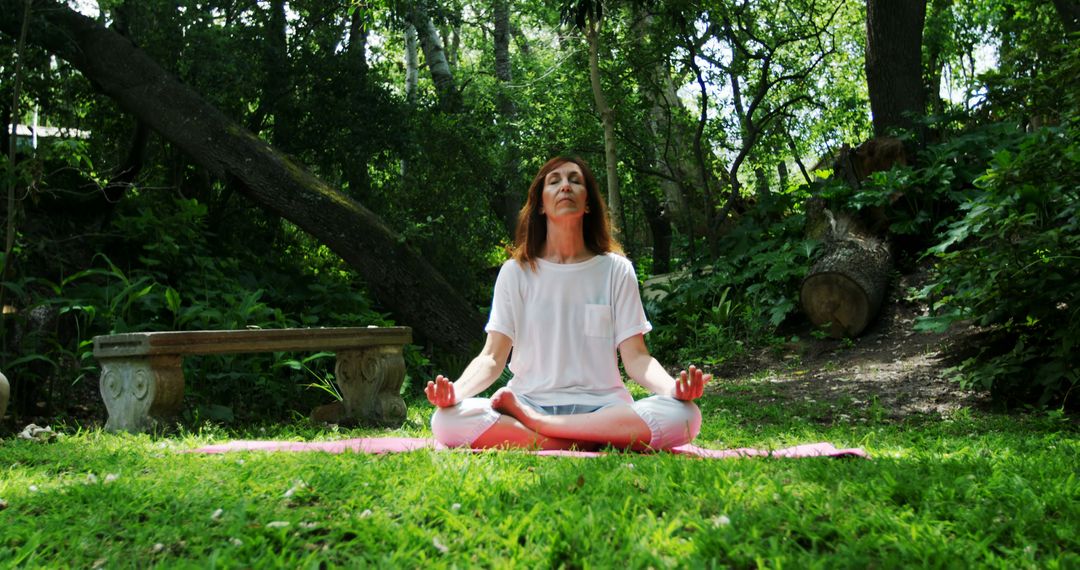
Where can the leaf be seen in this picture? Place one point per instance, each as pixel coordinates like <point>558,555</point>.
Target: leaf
<point>33,358</point>
<point>317,356</point>
<point>936,324</point>
<point>172,300</point>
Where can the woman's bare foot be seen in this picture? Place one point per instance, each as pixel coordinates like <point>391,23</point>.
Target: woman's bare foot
<point>504,400</point>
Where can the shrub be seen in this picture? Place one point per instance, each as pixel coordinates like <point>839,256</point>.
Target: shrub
<point>1010,261</point>
<point>179,279</point>
<point>714,312</point>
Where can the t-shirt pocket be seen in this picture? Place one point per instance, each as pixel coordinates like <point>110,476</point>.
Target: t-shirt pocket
<point>598,321</point>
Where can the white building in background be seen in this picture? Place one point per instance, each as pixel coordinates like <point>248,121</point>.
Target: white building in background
<point>27,137</point>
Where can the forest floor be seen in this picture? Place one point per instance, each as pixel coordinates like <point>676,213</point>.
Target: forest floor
<point>891,366</point>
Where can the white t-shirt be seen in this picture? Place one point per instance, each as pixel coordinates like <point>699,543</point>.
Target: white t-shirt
<point>566,322</point>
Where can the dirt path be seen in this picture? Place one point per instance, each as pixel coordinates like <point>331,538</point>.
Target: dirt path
<point>902,370</point>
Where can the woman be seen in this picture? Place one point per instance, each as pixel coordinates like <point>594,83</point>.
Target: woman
<point>565,303</point>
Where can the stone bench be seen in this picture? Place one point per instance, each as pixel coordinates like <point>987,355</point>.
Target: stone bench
<point>142,378</point>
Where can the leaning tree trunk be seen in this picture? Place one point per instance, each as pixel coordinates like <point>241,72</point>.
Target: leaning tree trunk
<point>412,64</point>
<point>398,277</point>
<point>843,291</point>
<point>435,57</point>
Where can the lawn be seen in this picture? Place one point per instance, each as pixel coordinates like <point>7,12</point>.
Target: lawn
<point>974,489</point>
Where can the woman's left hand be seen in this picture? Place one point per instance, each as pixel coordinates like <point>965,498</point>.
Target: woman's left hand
<point>690,385</point>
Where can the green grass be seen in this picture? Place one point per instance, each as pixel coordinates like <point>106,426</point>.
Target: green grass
<point>975,489</point>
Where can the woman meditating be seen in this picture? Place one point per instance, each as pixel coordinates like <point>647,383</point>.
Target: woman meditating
<point>564,304</point>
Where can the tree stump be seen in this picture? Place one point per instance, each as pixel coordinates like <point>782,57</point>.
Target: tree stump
<point>843,290</point>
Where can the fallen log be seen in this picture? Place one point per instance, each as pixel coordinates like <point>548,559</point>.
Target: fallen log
<point>843,289</point>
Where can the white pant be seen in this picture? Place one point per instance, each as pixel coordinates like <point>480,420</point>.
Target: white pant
<point>672,422</point>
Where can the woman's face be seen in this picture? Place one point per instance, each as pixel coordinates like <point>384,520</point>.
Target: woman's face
<point>564,193</point>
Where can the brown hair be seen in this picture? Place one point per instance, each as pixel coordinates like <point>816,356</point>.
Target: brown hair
<point>532,227</point>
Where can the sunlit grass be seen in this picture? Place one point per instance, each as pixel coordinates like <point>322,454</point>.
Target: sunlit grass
<point>973,489</point>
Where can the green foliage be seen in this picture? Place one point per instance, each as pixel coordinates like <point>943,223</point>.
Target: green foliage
<point>715,312</point>
<point>178,281</point>
<point>1011,260</point>
<point>917,200</point>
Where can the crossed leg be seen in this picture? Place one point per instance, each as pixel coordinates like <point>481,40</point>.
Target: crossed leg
<point>509,432</point>
<point>619,426</point>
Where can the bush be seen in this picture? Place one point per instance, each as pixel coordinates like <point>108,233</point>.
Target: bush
<point>181,279</point>
<point>712,313</point>
<point>1010,261</point>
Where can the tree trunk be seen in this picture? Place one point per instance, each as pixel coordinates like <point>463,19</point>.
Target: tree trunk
<point>5,119</point>
<point>435,56</point>
<point>356,168</point>
<point>451,35</point>
<point>521,40</point>
<point>412,79</point>
<point>894,64</point>
<point>660,228</point>
<point>399,278</point>
<point>21,24</point>
<point>501,45</point>
<point>712,220</point>
<point>843,291</point>
<point>358,39</point>
<point>658,215</point>
<point>607,117</point>
<point>412,64</point>
<point>507,199</point>
<point>761,184</point>
<point>798,161</point>
<point>934,37</point>
<point>278,82</point>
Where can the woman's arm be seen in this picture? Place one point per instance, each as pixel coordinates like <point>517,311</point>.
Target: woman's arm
<point>645,370</point>
<point>481,373</point>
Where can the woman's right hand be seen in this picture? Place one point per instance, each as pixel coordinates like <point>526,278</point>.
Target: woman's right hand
<point>441,392</point>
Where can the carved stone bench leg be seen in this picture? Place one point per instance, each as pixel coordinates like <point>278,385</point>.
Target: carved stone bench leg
<point>137,391</point>
<point>370,382</point>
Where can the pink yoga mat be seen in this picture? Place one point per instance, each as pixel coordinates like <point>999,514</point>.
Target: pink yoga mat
<point>403,444</point>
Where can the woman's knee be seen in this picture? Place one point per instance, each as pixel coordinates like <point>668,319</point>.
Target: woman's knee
<point>672,422</point>
<point>460,425</point>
